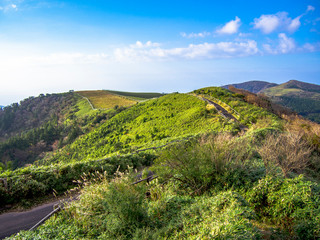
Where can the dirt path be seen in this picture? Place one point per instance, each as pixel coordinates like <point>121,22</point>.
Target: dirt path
<point>13,222</point>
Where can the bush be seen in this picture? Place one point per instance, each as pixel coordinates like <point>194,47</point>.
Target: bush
<point>200,164</point>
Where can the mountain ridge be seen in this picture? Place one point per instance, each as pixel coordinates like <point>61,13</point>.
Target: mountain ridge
<point>254,86</point>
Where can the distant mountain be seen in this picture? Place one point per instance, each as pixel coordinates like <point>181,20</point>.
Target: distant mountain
<point>252,86</point>
<point>304,98</point>
<point>294,84</point>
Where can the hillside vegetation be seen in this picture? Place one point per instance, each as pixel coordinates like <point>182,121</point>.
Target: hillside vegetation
<point>119,131</point>
<point>216,179</point>
<point>217,186</point>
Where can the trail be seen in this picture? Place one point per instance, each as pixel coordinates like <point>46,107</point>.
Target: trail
<point>223,112</point>
<point>13,222</point>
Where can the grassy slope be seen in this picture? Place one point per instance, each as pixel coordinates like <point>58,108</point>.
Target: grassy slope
<point>104,100</point>
<point>147,124</point>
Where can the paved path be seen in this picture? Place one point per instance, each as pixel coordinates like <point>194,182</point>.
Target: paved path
<point>14,222</point>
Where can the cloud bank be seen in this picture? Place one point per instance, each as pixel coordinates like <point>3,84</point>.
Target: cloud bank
<point>191,52</point>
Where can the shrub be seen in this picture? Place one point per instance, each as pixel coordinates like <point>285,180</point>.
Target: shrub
<point>289,151</point>
<point>290,203</point>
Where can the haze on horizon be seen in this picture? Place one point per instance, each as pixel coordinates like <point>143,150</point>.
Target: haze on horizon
<point>159,46</point>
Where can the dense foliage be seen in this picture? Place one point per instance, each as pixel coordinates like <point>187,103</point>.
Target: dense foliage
<point>238,200</point>
<point>24,184</point>
<point>33,112</point>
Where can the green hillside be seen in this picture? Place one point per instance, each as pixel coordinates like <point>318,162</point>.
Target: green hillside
<point>304,98</point>
<point>150,123</point>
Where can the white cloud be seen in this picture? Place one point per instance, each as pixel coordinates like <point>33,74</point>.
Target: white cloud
<point>310,8</point>
<point>8,7</point>
<point>195,35</point>
<point>308,47</point>
<point>230,27</point>
<point>191,52</point>
<point>148,44</point>
<point>279,21</point>
<point>267,23</point>
<point>295,24</point>
<point>285,45</point>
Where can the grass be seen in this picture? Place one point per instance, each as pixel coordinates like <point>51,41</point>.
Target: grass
<point>83,107</point>
<point>101,99</point>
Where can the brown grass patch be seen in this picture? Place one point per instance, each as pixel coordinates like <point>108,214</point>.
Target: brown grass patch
<point>105,100</point>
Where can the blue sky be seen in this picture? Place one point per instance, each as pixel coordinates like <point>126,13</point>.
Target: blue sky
<point>163,46</point>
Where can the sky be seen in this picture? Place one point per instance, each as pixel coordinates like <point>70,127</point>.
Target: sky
<point>158,46</point>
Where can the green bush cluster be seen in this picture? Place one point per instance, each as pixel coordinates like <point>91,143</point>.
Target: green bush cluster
<point>290,203</point>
